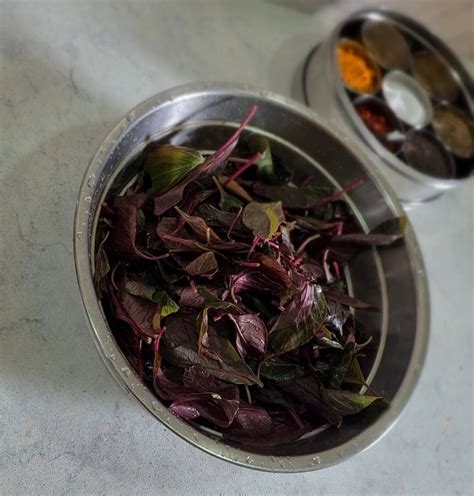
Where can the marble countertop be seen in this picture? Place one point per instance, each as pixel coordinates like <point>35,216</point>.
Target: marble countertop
<point>69,71</point>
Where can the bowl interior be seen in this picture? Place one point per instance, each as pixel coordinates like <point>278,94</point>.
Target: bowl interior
<point>389,278</point>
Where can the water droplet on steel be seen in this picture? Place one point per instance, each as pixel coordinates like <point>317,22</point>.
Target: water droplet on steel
<point>126,371</point>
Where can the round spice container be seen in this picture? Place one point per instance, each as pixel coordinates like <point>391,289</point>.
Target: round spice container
<point>421,167</point>
<point>427,155</point>
<point>435,76</point>
<point>380,120</point>
<point>407,99</point>
<point>358,70</point>
<point>455,129</point>
<point>386,44</point>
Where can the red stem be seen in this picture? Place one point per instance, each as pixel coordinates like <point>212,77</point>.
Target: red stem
<point>234,221</point>
<point>306,182</point>
<point>255,242</point>
<point>243,168</point>
<point>337,194</point>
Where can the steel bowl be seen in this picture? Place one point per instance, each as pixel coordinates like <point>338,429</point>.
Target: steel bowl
<point>394,279</point>
<point>325,93</point>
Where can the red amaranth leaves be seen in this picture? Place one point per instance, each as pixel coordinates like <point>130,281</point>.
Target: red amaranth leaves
<point>223,283</point>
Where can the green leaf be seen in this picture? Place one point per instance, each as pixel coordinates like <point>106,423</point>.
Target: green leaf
<point>354,374</point>
<point>348,403</point>
<point>212,301</point>
<point>284,340</point>
<point>150,293</point>
<point>325,337</point>
<point>263,219</point>
<point>227,201</point>
<point>168,164</point>
<point>281,372</point>
<point>167,304</point>
<point>260,144</point>
<point>204,265</point>
<point>338,368</point>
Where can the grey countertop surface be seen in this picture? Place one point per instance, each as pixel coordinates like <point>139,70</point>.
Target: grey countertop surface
<point>69,71</point>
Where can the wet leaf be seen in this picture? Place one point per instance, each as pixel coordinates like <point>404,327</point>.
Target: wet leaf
<point>286,335</point>
<point>280,371</point>
<point>338,369</point>
<point>251,336</point>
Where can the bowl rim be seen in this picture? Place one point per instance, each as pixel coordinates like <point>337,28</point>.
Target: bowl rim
<point>126,377</point>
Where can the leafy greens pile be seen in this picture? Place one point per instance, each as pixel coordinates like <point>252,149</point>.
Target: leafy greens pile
<point>223,285</point>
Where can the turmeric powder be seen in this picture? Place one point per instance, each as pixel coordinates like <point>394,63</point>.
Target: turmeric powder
<point>357,71</point>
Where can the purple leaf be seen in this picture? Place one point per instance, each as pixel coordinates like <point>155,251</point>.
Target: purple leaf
<point>200,395</point>
<point>234,369</point>
<point>102,266</point>
<point>142,315</point>
<point>211,164</point>
<point>251,421</point>
<point>298,309</point>
<point>189,297</point>
<point>270,276</point>
<point>199,226</point>
<point>283,432</point>
<point>122,240</point>
<point>310,391</point>
<point>251,336</point>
